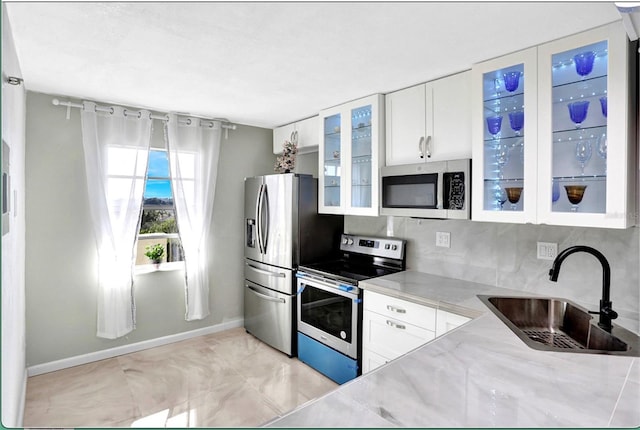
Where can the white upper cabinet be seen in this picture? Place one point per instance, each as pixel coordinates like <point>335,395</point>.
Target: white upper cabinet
<point>587,125</point>
<point>304,132</point>
<point>351,143</point>
<point>429,122</point>
<point>504,128</point>
<point>557,146</point>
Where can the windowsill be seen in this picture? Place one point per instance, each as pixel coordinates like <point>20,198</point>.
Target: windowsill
<point>144,269</point>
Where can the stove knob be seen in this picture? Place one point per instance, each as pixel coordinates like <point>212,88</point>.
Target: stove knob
<point>350,241</point>
<point>387,246</point>
<point>344,240</point>
<point>394,247</point>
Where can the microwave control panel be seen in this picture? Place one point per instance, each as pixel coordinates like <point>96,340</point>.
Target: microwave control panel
<point>453,190</point>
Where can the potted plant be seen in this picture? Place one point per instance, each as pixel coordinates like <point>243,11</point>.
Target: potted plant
<point>155,253</point>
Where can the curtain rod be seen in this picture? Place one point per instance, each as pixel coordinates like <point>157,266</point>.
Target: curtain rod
<point>224,123</point>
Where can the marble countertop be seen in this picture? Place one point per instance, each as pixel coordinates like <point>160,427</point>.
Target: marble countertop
<point>477,375</point>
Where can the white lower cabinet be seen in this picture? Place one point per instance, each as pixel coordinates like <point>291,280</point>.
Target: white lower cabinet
<point>372,360</point>
<point>392,327</point>
<point>446,321</point>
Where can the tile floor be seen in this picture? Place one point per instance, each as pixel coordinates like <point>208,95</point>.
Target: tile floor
<point>227,379</point>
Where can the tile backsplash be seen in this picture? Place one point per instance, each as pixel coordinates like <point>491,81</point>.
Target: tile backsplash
<point>504,255</point>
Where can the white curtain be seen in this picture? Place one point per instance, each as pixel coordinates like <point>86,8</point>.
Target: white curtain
<point>116,150</point>
<point>194,151</point>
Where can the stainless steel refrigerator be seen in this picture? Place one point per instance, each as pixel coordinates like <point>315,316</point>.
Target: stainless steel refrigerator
<point>282,230</point>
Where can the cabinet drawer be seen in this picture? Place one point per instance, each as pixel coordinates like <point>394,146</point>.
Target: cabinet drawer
<point>391,337</point>
<point>401,310</point>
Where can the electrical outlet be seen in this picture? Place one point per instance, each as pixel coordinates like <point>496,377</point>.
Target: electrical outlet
<point>547,250</point>
<point>443,239</point>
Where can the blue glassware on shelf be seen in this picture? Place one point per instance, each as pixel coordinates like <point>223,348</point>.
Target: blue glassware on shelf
<point>494,124</point>
<point>578,112</point>
<point>501,197</point>
<point>603,105</point>
<point>516,119</point>
<point>511,81</point>
<point>584,62</point>
<point>555,191</point>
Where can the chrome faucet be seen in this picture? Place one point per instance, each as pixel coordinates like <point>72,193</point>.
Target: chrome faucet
<point>606,313</point>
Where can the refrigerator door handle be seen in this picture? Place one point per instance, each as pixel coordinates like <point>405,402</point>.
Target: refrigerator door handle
<point>265,297</point>
<point>265,234</point>
<point>266,272</point>
<point>259,218</point>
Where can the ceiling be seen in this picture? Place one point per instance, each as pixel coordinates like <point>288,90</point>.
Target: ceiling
<point>267,64</point>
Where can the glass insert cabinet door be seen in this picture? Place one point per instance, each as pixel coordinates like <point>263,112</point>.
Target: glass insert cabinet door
<point>349,161</point>
<point>587,129</point>
<point>579,129</point>
<point>332,160</point>
<point>504,102</point>
<point>504,138</point>
<point>361,157</point>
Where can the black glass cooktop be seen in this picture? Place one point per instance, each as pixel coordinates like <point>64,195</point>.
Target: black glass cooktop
<point>348,270</point>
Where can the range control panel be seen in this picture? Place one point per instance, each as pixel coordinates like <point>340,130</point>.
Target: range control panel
<point>388,247</point>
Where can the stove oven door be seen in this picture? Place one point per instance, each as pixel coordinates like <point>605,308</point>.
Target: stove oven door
<point>329,314</point>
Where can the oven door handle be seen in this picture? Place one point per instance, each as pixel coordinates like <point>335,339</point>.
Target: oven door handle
<point>265,297</point>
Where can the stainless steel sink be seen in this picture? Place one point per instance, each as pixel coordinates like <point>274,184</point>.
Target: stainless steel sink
<point>553,324</point>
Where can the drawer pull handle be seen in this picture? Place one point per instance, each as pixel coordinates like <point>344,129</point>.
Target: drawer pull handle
<point>395,309</point>
<point>396,325</point>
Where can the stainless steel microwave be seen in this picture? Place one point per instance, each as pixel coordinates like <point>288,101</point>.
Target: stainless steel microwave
<point>440,189</point>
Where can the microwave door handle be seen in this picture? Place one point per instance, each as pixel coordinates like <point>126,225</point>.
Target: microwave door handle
<point>421,147</point>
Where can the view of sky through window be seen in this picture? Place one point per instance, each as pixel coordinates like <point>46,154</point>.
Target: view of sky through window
<point>158,183</point>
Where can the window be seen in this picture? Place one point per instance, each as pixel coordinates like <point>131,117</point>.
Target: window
<point>158,221</point>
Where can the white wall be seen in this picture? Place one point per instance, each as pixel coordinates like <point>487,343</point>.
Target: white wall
<point>61,258</point>
<point>13,244</point>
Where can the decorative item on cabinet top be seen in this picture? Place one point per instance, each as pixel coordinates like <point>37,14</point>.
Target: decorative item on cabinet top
<point>287,161</point>
<point>304,133</point>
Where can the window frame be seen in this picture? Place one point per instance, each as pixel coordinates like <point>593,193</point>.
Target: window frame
<point>141,268</point>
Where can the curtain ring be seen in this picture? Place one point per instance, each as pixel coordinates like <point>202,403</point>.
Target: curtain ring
<point>188,121</point>
<point>211,124</point>
<point>139,114</point>
<point>112,110</point>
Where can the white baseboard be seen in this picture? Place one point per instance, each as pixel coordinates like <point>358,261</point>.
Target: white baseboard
<point>77,360</point>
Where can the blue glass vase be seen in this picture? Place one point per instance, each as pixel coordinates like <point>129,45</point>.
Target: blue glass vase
<point>584,62</point>
<point>511,81</point>
<point>578,111</point>
<point>516,119</point>
<point>555,191</point>
<point>603,105</point>
<point>494,124</point>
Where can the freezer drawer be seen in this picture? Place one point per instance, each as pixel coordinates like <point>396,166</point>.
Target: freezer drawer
<point>274,278</point>
<point>269,316</point>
